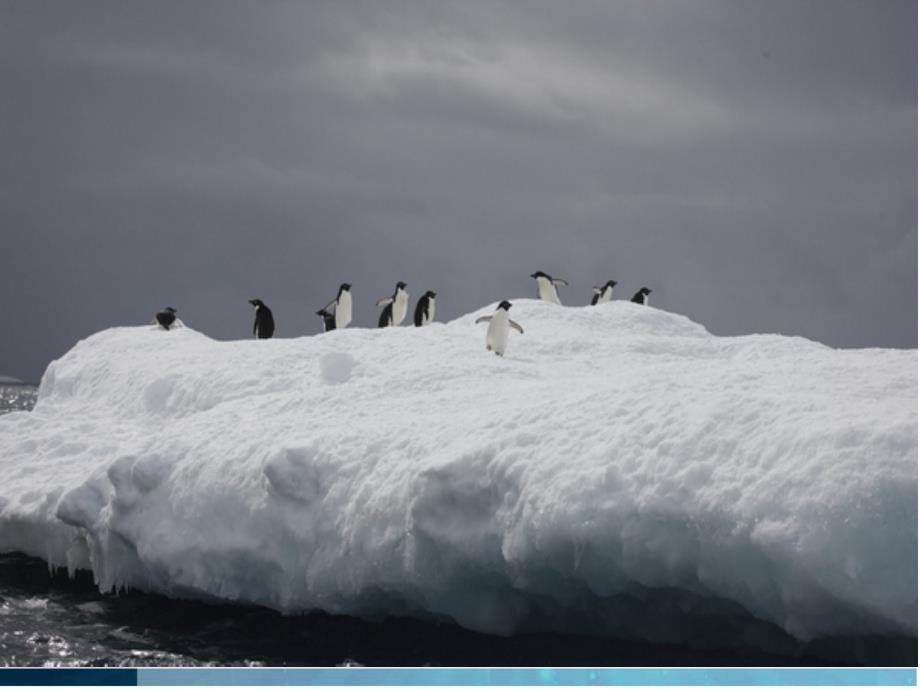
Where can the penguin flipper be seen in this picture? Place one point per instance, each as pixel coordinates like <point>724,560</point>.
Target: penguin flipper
<point>560,281</point>
<point>386,317</point>
<point>516,326</point>
<point>384,301</point>
<point>483,319</point>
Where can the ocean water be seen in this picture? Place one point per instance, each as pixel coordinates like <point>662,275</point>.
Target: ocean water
<point>49,619</point>
<point>17,397</point>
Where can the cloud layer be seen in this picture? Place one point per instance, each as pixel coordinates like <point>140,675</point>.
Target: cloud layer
<point>752,162</point>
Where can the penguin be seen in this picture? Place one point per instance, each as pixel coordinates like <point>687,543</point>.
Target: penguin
<point>328,320</point>
<point>166,318</point>
<point>595,293</point>
<point>264,325</point>
<point>343,310</point>
<point>499,323</point>
<point>424,310</point>
<point>395,307</point>
<point>604,293</point>
<point>641,297</point>
<point>546,287</point>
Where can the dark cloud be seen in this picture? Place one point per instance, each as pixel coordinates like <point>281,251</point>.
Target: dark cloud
<point>754,162</point>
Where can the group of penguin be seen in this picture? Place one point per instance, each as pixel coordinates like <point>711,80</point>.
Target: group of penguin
<point>396,307</point>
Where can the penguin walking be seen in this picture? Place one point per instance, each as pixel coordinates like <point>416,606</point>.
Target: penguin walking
<point>424,309</point>
<point>343,307</point>
<point>166,318</point>
<point>499,325</point>
<point>641,297</point>
<point>264,325</point>
<point>328,320</point>
<point>604,293</point>
<point>395,307</point>
<point>546,286</point>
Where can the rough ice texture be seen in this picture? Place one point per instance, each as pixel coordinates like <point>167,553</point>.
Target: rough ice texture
<point>619,470</point>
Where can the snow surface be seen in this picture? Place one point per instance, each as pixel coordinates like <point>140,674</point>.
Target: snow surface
<point>620,469</point>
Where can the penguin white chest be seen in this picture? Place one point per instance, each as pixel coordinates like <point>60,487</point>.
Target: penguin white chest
<point>400,307</point>
<point>429,317</point>
<point>497,335</point>
<point>547,291</point>
<point>645,300</point>
<point>606,295</point>
<point>343,310</point>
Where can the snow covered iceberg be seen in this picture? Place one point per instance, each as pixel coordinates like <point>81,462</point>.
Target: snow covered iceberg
<point>621,470</point>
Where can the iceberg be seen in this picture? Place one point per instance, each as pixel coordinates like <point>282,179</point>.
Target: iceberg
<point>621,471</point>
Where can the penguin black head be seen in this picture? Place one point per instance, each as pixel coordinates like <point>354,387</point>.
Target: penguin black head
<point>344,286</point>
<point>645,291</point>
<point>540,274</point>
<point>166,318</point>
<point>610,283</point>
<point>400,285</point>
<point>257,303</point>
<point>431,294</point>
<point>504,304</point>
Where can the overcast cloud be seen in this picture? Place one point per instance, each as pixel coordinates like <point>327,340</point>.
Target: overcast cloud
<point>754,163</point>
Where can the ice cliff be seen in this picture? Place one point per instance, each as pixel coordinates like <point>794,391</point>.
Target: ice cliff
<point>620,470</point>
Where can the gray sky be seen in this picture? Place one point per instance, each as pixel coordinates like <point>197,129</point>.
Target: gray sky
<point>753,162</point>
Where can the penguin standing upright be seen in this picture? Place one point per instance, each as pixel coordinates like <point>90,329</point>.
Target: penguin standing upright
<point>604,293</point>
<point>641,297</point>
<point>166,318</point>
<point>424,310</point>
<point>264,325</point>
<point>499,325</point>
<point>328,320</point>
<point>343,309</point>
<point>595,295</point>
<point>546,287</point>
<point>395,307</point>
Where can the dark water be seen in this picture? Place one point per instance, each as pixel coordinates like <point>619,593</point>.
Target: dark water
<point>17,397</point>
<point>47,619</point>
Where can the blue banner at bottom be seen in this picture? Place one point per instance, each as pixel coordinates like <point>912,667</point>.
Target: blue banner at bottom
<point>460,676</point>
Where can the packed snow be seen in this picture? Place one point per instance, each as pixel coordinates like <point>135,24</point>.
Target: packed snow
<point>619,470</point>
